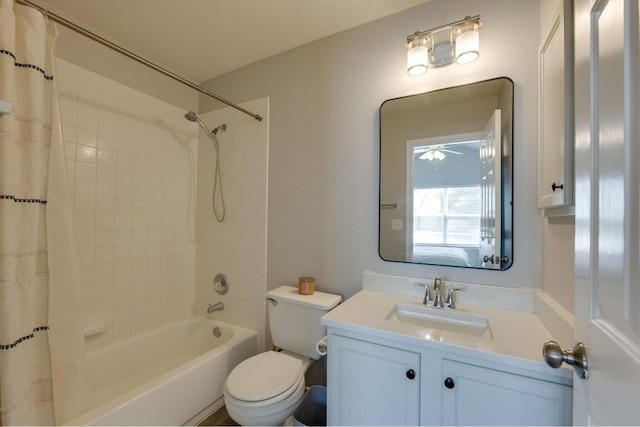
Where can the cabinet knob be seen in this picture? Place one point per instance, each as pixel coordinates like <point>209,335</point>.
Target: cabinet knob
<point>411,374</point>
<point>448,383</point>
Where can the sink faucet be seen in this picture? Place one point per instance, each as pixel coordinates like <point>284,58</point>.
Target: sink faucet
<point>437,297</point>
<point>215,307</point>
<point>437,300</point>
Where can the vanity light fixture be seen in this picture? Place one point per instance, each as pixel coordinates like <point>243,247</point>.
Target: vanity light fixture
<point>458,41</point>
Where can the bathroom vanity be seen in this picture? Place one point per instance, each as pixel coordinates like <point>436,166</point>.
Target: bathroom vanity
<point>394,361</point>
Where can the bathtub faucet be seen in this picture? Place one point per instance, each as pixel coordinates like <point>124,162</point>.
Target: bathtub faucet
<point>215,307</point>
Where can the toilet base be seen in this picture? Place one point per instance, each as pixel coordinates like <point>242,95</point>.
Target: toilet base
<point>282,417</point>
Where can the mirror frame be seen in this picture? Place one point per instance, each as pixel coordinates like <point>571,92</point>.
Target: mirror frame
<point>506,180</point>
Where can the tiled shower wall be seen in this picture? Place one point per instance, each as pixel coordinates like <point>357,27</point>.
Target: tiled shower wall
<point>236,247</point>
<point>132,168</point>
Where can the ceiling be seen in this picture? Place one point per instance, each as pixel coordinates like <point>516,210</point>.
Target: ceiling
<point>202,39</point>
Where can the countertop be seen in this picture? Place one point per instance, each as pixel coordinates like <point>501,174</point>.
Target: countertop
<point>516,337</point>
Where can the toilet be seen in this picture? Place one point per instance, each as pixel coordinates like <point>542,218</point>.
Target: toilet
<point>266,389</point>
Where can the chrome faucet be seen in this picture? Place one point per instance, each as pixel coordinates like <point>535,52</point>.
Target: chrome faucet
<point>437,297</point>
<point>437,300</point>
<point>215,307</point>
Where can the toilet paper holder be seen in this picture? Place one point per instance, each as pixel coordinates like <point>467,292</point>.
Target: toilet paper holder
<point>322,347</point>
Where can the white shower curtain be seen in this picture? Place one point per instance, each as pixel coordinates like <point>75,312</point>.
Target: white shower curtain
<point>66,336</point>
<point>26,387</point>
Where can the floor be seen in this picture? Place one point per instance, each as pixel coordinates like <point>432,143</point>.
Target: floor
<point>219,418</point>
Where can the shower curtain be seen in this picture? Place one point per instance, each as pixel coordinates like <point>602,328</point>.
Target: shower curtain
<point>26,386</point>
<point>66,336</point>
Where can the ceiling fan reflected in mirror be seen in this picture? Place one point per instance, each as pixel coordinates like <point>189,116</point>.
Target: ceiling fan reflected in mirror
<point>434,152</point>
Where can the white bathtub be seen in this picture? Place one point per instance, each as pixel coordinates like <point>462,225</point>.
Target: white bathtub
<point>169,376</point>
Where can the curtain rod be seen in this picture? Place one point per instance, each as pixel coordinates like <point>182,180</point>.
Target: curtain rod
<point>62,21</point>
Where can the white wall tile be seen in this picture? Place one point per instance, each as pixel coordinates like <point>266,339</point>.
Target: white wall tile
<point>121,169</point>
<point>135,208</point>
<point>105,189</point>
<point>237,246</point>
<point>85,171</point>
<point>85,188</point>
<point>84,136</point>
<point>104,156</point>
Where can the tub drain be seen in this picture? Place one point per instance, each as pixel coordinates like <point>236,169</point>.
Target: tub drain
<point>217,332</point>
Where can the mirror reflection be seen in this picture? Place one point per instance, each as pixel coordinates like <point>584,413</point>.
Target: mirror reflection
<point>445,177</point>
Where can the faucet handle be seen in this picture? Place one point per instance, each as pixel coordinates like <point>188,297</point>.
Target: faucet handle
<point>427,293</point>
<point>450,302</point>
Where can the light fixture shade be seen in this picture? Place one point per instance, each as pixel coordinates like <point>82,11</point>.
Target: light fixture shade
<point>417,56</point>
<point>467,41</point>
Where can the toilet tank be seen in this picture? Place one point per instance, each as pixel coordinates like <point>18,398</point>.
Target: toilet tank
<point>294,319</point>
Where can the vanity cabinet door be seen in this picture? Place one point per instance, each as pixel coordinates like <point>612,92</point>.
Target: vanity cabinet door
<point>473,395</point>
<point>372,384</point>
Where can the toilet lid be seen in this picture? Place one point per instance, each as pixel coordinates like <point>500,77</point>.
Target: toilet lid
<point>264,376</point>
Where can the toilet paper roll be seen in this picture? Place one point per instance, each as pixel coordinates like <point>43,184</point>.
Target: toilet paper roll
<point>321,346</point>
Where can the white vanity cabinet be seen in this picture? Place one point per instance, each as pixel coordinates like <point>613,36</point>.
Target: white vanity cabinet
<point>372,381</point>
<point>372,384</point>
<point>476,395</point>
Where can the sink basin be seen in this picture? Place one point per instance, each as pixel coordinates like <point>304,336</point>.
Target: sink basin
<point>448,320</point>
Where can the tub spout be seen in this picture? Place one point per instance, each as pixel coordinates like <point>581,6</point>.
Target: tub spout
<point>215,307</point>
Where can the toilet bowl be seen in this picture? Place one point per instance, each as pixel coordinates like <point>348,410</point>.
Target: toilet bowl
<point>265,389</point>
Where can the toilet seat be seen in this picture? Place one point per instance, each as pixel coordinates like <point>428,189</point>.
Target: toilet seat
<point>265,389</point>
<point>268,376</point>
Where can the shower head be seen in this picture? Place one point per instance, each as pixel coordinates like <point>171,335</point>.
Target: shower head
<point>193,117</point>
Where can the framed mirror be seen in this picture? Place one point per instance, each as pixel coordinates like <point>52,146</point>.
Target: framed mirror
<point>446,177</point>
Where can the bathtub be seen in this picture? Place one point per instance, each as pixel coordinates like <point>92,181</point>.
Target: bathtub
<point>169,376</point>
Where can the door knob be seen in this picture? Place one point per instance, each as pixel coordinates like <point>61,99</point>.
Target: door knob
<point>577,357</point>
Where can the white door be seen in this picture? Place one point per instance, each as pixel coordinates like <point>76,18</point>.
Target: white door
<point>490,184</point>
<point>607,180</point>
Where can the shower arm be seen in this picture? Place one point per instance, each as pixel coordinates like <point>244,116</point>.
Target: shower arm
<point>78,29</point>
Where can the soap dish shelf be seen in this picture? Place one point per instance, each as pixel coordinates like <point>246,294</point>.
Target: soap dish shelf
<point>5,107</point>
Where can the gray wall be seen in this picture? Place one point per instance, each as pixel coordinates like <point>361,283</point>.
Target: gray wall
<point>324,131</point>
